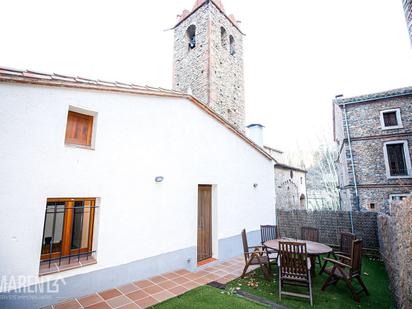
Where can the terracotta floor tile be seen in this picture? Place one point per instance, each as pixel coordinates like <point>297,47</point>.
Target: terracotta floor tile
<point>168,284</point>
<point>109,294</point>
<point>220,273</point>
<point>68,304</point>
<point>102,305</point>
<point>143,283</point>
<point>182,272</point>
<point>192,276</point>
<point>181,280</point>
<point>130,306</point>
<point>158,279</point>
<point>128,288</point>
<point>178,290</point>
<point>171,275</point>
<point>153,289</point>
<point>119,301</point>
<point>90,300</point>
<point>191,285</point>
<point>203,280</point>
<point>136,295</point>
<point>146,302</point>
<point>162,296</point>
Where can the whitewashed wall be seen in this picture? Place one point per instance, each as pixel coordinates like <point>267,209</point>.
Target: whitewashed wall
<point>137,138</point>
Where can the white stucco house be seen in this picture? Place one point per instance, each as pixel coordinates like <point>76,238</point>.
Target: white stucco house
<point>131,186</point>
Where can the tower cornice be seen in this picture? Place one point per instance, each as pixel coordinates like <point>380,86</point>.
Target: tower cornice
<point>200,3</point>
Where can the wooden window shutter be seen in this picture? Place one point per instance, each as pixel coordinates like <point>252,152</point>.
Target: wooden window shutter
<point>79,129</point>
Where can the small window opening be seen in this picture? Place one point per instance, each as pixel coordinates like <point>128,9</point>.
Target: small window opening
<point>232,45</point>
<point>223,37</point>
<point>372,205</point>
<point>291,174</point>
<point>191,36</point>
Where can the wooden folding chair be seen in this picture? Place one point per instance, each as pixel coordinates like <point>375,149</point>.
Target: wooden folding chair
<point>269,232</point>
<point>255,255</point>
<point>312,234</point>
<point>345,248</point>
<point>294,268</point>
<point>347,269</point>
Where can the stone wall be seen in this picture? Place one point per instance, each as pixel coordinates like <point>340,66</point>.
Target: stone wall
<point>213,74</point>
<point>395,237</point>
<point>290,188</point>
<point>330,225</point>
<point>407,5</point>
<point>368,140</point>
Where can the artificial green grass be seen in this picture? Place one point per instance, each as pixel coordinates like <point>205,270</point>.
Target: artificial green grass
<point>206,297</point>
<point>336,296</point>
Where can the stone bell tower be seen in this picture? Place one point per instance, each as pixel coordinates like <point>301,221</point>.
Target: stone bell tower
<point>208,59</point>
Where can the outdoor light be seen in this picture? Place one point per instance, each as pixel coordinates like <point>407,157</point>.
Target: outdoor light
<point>159,178</point>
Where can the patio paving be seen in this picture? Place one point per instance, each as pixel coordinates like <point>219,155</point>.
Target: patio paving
<point>151,291</point>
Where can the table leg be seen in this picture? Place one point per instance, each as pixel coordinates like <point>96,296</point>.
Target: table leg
<point>313,265</point>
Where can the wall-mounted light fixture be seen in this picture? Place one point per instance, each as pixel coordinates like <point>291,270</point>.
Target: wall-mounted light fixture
<point>159,178</point>
<point>255,185</point>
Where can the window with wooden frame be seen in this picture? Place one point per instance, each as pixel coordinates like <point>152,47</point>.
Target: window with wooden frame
<point>79,129</point>
<point>397,159</point>
<point>391,119</point>
<point>68,229</point>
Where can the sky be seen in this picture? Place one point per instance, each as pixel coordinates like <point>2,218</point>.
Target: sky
<point>297,54</point>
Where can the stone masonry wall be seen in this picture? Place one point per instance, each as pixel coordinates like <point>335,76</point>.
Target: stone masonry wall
<point>290,190</point>
<point>190,66</point>
<point>330,225</point>
<point>214,75</point>
<point>227,82</point>
<point>395,237</point>
<point>407,5</point>
<point>368,140</point>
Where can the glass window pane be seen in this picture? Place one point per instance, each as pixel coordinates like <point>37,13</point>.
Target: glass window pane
<point>396,159</point>
<point>53,228</point>
<point>80,229</point>
<point>390,119</point>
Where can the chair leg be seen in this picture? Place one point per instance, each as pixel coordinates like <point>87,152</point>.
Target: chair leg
<point>324,265</point>
<point>352,290</point>
<point>329,280</point>
<point>362,285</point>
<point>280,286</point>
<point>264,269</point>
<point>310,290</point>
<point>245,269</point>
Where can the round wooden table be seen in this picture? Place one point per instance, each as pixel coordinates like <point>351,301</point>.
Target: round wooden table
<point>313,248</point>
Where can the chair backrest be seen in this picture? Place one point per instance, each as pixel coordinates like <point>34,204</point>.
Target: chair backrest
<point>346,242</point>
<point>268,232</point>
<point>309,233</point>
<point>356,256</point>
<point>293,258</point>
<point>245,245</point>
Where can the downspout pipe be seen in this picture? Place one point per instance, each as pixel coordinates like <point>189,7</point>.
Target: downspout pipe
<point>353,167</point>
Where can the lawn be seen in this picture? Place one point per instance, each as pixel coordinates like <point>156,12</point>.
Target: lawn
<point>336,297</point>
<point>206,297</point>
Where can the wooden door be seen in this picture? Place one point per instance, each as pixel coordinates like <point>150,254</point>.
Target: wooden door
<point>204,223</point>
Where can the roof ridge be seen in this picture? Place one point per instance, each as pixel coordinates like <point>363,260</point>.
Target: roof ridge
<point>82,80</point>
<point>375,96</point>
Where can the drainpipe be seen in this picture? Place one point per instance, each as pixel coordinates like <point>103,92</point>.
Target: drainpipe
<point>353,167</point>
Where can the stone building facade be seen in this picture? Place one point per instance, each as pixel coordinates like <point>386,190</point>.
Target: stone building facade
<point>374,138</point>
<point>208,59</point>
<point>290,183</point>
<point>407,5</point>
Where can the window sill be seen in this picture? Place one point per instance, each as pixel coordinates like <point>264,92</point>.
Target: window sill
<point>64,264</point>
<point>392,128</point>
<point>399,177</point>
<point>79,146</point>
